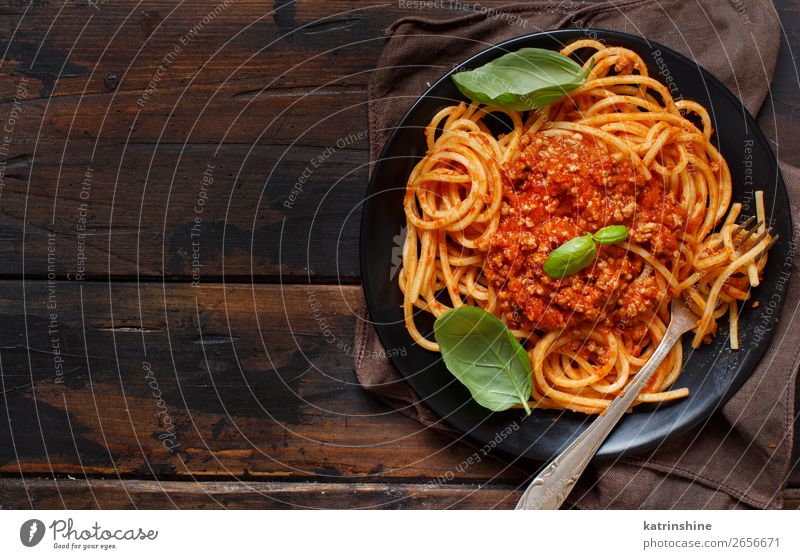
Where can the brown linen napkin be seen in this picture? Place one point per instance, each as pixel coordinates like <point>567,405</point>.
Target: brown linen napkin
<point>740,457</point>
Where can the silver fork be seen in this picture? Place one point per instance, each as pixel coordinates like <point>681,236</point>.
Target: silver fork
<point>553,484</point>
<point>747,229</point>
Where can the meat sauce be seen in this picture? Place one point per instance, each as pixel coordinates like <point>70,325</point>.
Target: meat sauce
<point>558,188</point>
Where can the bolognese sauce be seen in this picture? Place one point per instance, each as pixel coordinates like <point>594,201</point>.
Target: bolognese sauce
<point>559,187</point>
<point>484,211</point>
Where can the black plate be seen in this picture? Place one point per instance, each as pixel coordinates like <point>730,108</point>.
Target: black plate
<point>712,373</point>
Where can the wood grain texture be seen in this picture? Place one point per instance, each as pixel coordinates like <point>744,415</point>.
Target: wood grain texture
<point>268,94</point>
<point>148,212</point>
<point>224,381</point>
<point>128,494</point>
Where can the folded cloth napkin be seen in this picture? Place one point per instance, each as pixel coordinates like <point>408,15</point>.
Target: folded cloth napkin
<point>740,457</point>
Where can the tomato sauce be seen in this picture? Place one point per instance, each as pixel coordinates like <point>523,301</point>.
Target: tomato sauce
<point>558,188</point>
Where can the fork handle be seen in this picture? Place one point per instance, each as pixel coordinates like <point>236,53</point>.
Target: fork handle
<point>550,488</point>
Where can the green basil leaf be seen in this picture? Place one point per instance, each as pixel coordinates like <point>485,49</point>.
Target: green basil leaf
<point>527,79</point>
<point>484,356</point>
<point>611,234</point>
<point>571,257</point>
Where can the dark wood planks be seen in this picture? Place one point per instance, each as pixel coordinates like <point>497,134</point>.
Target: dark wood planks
<point>249,39</point>
<point>170,207</point>
<point>106,494</point>
<point>223,381</point>
<point>125,494</point>
<point>287,79</point>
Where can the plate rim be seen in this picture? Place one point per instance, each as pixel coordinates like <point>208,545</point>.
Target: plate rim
<point>452,419</point>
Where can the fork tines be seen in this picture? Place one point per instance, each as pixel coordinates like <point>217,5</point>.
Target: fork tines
<point>746,230</point>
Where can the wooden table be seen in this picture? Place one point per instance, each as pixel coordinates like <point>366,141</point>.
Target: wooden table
<point>177,317</point>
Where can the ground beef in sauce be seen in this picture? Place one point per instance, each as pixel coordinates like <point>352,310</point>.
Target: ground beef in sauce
<point>559,187</point>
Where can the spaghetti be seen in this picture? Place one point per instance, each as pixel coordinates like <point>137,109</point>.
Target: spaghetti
<point>483,211</point>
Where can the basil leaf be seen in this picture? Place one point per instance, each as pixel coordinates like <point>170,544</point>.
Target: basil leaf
<point>611,234</point>
<point>527,79</point>
<point>484,356</point>
<point>571,257</point>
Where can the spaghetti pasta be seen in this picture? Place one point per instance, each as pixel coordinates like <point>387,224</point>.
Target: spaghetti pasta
<point>483,211</point>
